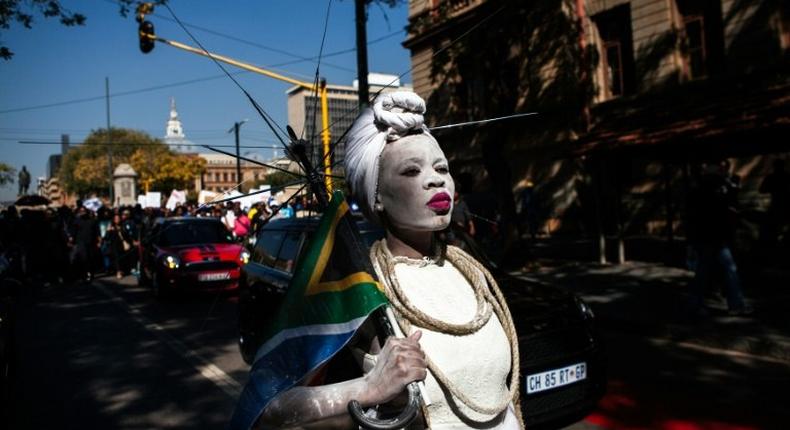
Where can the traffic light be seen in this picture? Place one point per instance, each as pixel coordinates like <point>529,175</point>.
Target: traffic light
<point>146,32</point>
<point>146,29</point>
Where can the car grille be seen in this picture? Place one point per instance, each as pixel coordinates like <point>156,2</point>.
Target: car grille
<point>553,348</point>
<point>555,400</point>
<point>203,266</point>
<point>553,344</point>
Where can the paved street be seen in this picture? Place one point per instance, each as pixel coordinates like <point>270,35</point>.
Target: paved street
<point>109,356</point>
<point>659,384</point>
<point>667,371</point>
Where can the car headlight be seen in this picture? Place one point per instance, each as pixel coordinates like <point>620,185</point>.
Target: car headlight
<point>244,257</point>
<point>171,262</point>
<point>584,308</point>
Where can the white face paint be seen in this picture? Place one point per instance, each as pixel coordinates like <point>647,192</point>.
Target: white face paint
<point>415,186</point>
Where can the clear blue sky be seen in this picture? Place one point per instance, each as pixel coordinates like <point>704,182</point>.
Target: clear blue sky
<point>56,64</point>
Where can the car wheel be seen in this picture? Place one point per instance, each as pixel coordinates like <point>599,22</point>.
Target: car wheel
<point>246,346</point>
<point>161,292</point>
<point>142,279</point>
<point>248,343</point>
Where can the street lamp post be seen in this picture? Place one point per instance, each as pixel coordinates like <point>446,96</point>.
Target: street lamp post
<point>235,129</point>
<point>360,13</point>
<point>109,142</point>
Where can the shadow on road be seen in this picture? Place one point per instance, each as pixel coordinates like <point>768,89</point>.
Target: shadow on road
<point>83,362</point>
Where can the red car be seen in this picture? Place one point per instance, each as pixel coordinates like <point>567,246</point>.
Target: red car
<point>190,254</point>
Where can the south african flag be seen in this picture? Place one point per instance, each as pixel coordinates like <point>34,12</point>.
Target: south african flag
<point>330,296</point>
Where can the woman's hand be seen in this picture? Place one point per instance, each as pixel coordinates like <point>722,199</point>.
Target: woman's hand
<point>399,363</point>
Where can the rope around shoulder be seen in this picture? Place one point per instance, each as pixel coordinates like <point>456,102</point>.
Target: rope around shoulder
<point>488,299</point>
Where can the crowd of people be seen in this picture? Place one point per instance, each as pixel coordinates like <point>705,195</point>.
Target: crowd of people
<point>74,242</point>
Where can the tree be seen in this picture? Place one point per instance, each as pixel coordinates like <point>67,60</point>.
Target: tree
<point>24,12</point>
<point>161,169</point>
<point>6,174</point>
<point>84,169</point>
<point>275,179</point>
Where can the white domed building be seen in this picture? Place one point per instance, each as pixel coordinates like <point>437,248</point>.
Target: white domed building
<point>174,133</point>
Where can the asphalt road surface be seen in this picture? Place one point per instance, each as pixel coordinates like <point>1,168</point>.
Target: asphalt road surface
<point>110,356</point>
<point>665,385</point>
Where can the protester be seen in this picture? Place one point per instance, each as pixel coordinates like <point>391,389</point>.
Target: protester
<point>229,218</point>
<point>130,232</point>
<point>401,180</point>
<point>35,248</point>
<point>277,212</point>
<point>712,222</point>
<point>777,185</point>
<point>529,210</point>
<point>104,218</point>
<point>58,248</point>
<point>24,181</point>
<point>241,226</point>
<point>84,240</point>
<point>114,243</point>
<point>287,211</point>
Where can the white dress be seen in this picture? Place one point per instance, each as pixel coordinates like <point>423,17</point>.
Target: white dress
<point>478,364</point>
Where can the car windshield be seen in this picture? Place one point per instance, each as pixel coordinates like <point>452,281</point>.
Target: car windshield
<point>191,233</point>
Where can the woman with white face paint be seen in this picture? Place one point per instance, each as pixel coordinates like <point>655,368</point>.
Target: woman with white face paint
<point>460,336</point>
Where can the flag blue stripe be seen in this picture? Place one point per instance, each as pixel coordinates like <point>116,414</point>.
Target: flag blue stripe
<point>308,330</point>
<point>280,370</point>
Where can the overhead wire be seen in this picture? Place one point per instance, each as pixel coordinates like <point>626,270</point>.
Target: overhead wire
<point>267,118</point>
<point>33,142</point>
<point>414,66</point>
<point>118,94</point>
<point>269,121</point>
<point>318,65</point>
<point>298,58</point>
<point>249,160</point>
<point>185,82</point>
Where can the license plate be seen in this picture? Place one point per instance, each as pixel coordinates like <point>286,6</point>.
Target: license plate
<point>205,277</point>
<point>542,381</point>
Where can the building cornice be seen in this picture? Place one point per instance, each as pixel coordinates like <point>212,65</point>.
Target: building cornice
<point>437,28</point>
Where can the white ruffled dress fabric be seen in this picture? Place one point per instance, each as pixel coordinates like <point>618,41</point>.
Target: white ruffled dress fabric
<point>478,364</point>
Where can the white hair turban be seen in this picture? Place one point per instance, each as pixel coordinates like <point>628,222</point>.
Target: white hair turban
<point>393,115</point>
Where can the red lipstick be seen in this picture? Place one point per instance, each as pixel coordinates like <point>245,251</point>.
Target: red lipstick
<point>440,202</point>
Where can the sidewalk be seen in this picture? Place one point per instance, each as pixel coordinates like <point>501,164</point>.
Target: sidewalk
<point>648,298</point>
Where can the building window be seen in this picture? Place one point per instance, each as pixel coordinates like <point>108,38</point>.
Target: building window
<point>702,37</point>
<point>694,28</point>
<point>233,177</point>
<point>617,71</point>
<point>784,26</point>
<point>613,63</point>
<point>216,176</point>
<point>225,177</point>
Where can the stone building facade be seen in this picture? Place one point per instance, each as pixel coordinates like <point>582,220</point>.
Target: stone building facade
<point>630,96</point>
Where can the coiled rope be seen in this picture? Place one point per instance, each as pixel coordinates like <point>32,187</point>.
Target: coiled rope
<point>407,315</point>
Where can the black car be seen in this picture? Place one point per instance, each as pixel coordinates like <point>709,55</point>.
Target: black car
<point>562,361</point>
